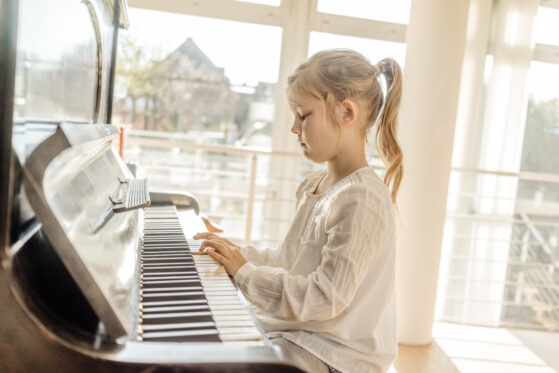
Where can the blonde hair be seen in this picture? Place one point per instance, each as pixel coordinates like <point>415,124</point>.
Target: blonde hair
<point>333,76</point>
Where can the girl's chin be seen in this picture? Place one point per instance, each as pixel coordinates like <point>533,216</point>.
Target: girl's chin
<point>312,157</point>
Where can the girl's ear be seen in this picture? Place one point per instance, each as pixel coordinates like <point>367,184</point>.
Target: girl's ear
<point>349,112</point>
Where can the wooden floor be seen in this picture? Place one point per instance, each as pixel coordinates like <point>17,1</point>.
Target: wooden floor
<point>469,349</point>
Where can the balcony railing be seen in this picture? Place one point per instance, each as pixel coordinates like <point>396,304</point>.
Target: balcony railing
<point>501,260</point>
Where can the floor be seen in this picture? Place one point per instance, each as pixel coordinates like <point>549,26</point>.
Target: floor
<point>469,349</point>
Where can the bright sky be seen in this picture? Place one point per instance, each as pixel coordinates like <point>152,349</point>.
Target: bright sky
<point>250,53</point>
<point>546,30</point>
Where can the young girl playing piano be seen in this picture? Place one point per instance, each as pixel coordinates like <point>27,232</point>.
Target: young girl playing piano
<point>326,296</point>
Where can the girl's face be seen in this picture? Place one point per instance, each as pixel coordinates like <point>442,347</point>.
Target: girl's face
<point>316,134</point>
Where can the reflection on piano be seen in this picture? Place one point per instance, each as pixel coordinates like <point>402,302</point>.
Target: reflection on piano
<point>92,279</point>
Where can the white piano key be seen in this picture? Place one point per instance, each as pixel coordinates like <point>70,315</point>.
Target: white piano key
<point>173,302</point>
<point>175,314</point>
<point>181,333</point>
<point>189,325</point>
<point>147,310</point>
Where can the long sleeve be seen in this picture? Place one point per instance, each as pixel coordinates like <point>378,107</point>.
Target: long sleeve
<point>274,257</point>
<point>259,257</point>
<point>353,229</point>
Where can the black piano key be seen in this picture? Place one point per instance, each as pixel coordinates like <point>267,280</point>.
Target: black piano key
<point>146,284</point>
<point>153,273</point>
<point>175,302</point>
<point>170,259</point>
<point>181,326</point>
<point>164,309</point>
<point>159,248</point>
<point>166,264</point>
<point>165,289</point>
<point>148,258</point>
<point>176,296</point>
<point>194,317</point>
<point>148,288</point>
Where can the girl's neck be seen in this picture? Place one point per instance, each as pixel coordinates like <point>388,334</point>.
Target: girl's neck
<point>339,168</point>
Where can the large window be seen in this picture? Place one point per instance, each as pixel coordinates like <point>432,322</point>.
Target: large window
<point>546,29</point>
<point>198,87</point>
<point>500,255</point>
<point>210,81</point>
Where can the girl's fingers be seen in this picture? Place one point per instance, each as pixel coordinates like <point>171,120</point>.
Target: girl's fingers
<point>217,256</point>
<point>219,246</point>
<point>209,242</point>
<point>204,235</point>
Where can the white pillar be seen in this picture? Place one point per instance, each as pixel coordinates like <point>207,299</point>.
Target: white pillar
<point>465,154</point>
<point>436,40</point>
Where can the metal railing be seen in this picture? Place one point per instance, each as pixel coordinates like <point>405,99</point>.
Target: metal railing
<point>240,179</point>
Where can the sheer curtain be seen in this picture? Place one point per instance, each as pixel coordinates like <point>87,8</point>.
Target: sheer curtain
<point>489,136</point>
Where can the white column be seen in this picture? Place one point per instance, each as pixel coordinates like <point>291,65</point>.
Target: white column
<point>465,154</point>
<point>436,40</point>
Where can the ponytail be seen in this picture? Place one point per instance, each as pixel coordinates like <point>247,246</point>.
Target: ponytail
<point>386,134</point>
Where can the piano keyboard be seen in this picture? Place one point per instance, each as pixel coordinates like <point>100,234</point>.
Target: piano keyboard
<point>185,296</point>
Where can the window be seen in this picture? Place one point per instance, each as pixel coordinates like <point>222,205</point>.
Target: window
<point>373,49</point>
<point>187,85</point>
<point>546,26</point>
<point>177,74</point>
<point>500,252</point>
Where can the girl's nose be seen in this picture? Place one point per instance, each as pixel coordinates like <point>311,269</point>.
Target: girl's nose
<point>295,128</point>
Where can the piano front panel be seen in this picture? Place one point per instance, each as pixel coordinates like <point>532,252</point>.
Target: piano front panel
<point>68,179</point>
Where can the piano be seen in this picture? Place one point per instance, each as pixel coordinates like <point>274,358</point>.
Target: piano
<point>97,272</point>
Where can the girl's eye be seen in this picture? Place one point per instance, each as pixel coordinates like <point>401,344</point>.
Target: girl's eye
<point>303,117</point>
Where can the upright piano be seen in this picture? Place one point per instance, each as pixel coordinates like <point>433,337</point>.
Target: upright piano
<point>97,273</point>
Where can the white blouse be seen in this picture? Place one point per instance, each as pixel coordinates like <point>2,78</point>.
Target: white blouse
<point>330,286</point>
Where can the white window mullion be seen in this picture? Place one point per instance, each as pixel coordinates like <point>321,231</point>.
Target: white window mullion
<point>294,50</point>
<point>546,53</point>
<point>222,9</point>
<point>550,3</point>
<point>358,27</point>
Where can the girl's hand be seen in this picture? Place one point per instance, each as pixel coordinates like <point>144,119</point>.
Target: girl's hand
<point>223,251</point>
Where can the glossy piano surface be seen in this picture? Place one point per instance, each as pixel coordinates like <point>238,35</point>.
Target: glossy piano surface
<point>80,282</point>
<point>70,276</point>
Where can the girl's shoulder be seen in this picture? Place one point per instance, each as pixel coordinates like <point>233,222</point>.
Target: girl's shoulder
<point>363,186</point>
<point>310,182</point>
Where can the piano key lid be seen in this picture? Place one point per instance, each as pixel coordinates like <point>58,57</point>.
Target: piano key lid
<point>130,194</point>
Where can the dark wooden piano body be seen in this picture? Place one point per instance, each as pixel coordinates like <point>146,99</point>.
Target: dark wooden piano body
<point>61,310</point>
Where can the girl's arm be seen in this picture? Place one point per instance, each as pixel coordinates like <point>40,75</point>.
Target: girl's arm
<point>249,253</point>
<point>259,257</point>
<point>354,232</point>
<point>273,257</point>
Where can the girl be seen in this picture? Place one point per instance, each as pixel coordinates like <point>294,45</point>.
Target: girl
<point>327,295</point>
